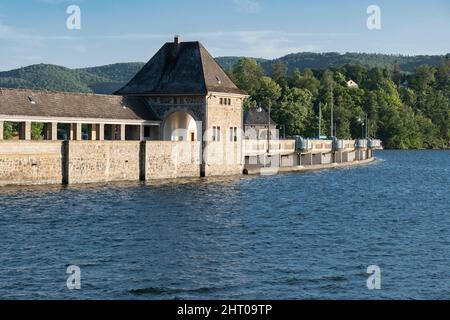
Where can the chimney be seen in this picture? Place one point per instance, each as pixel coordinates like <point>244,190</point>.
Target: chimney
<point>177,40</point>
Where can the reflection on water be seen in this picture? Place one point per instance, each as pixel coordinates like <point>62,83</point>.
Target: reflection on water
<point>290,236</point>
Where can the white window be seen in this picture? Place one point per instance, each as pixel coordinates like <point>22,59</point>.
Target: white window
<point>216,134</point>
<point>233,134</point>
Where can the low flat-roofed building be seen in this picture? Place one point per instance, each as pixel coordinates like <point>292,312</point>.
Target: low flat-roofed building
<point>78,116</point>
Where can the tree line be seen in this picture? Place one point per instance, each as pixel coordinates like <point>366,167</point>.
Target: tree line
<point>405,110</point>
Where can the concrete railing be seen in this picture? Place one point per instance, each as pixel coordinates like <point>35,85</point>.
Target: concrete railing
<point>314,146</point>
<point>375,144</point>
<point>253,147</point>
<point>349,144</point>
<point>343,145</point>
<point>282,147</point>
<point>321,146</point>
<point>361,143</point>
<point>259,147</point>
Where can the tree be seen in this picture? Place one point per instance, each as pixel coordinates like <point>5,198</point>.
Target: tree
<point>37,131</point>
<point>422,79</point>
<point>279,73</point>
<point>354,72</point>
<point>8,130</point>
<point>268,92</point>
<point>247,74</point>
<point>307,81</point>
<point>294,110</point>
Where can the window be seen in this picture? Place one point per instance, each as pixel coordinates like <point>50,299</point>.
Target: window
<point>216,134</point>
<point>146,131</point>
<point>31,100</point>
<point>225,101</point>
<point>233,134</point>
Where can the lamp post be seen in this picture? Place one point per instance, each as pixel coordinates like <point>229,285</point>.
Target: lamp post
<point>269,132</point>
<point>260,109</point>
<point>332,109</point>
<point>362,127</point>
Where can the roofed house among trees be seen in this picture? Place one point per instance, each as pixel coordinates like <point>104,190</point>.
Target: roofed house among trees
<point>352,84</point>
<point>256,122</point>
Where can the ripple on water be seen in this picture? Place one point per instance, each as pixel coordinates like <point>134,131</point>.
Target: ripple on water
<point>292,236</point>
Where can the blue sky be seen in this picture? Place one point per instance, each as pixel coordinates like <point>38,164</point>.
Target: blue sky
<point>34,31</point>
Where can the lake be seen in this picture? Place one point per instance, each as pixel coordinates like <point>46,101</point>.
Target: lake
<point>291,236</point>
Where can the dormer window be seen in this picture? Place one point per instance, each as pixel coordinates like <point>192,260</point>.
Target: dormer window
<point>30,99</point>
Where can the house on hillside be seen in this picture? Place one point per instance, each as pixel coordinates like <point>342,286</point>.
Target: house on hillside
<point>352,84</point>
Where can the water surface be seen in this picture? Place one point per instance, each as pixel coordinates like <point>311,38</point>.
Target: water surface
<point>292,236</point>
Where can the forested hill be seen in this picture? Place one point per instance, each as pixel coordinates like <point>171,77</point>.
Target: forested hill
<point>104,79</point>
<point>107,79</point>
<point>308,60</point>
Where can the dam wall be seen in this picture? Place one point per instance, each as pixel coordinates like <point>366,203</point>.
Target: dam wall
<point>29,162</point>
<point>290,155</point>
<point>101,161</point>
<point>74,162</point>
<point>169,160</point>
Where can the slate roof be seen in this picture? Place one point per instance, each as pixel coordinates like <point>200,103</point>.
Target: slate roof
<point>16,102</point>
<point>253,117</point>
<point>180,68</point>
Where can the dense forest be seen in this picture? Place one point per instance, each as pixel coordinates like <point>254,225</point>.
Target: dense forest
<point>103,80</point>
<point>405,98</point>
<point>310,60</point>
<point>405,110</point>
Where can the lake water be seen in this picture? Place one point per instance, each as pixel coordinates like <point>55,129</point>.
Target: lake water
<point>290,236</point>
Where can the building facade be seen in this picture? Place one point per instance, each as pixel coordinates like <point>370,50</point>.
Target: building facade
<point>180,95</point>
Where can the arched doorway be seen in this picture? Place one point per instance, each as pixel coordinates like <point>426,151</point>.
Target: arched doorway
<point>180,126</point>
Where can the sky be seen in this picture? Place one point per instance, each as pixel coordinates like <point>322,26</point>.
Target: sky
<point>35,31</point>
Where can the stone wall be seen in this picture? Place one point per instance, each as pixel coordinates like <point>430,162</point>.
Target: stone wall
<point>223,157</point>
<point>31,162</point>
<point>168,159</point>
<point>101,161</point>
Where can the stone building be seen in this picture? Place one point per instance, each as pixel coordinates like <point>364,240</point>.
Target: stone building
<point>256,124</point>
<point>188,91</point>
<point>181,94</point>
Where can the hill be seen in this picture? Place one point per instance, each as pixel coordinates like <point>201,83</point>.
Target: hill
<point>104,79</point>
<point>107,79</point>
<point>368,60</point>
